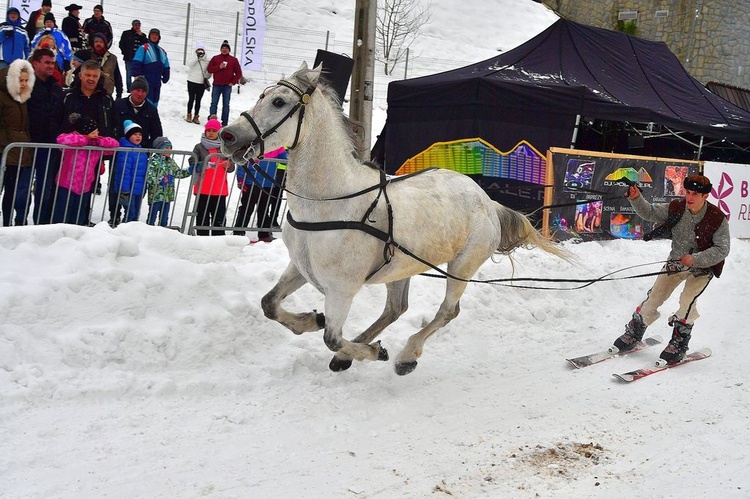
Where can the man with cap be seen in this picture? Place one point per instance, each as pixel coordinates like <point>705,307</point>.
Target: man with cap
<point>14,41</point>
<point>130,41</point>
<point>97,24</point>
<point>137,109</point>
<point>700,244</point>
<point>227,72</point>
<point>64,52</point>
<point>151,62</point>
<point>36,19</point>
<point>108,62</point>
<point>72,27</point>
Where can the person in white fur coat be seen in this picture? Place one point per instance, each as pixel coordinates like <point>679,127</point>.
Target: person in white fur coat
<point>16,84</point>
<point>197,82</point>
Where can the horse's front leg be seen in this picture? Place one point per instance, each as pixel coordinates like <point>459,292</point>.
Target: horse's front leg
<point>396,303</point>
<point>337,309</point>
<point>289,282</point>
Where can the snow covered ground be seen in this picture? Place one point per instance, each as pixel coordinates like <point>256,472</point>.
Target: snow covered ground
<point>136,362</point>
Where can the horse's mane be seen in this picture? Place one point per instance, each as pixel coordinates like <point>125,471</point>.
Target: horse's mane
<point>354,129</point>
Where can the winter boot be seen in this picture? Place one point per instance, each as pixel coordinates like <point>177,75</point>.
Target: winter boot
<point>189,117</point>
<point>196,120</point>
<point>633,333</point>
<point>678,345</point>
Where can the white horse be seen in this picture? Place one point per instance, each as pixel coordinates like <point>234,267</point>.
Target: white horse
<point>439,216</point>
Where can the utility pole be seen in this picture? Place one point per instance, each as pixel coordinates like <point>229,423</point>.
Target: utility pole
<point>363,74</point>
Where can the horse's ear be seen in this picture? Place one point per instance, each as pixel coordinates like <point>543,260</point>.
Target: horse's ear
<point>303,67</point>
<point>315,73</point>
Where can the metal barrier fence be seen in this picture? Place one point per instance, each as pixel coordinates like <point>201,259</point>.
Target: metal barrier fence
<point>88,185</point>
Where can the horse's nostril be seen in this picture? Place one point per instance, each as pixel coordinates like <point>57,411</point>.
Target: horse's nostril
<point>227,136</point>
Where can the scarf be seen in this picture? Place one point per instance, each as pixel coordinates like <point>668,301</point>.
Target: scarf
<point>210,144</point>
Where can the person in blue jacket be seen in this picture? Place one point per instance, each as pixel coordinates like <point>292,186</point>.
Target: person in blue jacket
<point>151,62</point>
<point>64,53</point>
<point>130,172</point>
<point>14,41</point>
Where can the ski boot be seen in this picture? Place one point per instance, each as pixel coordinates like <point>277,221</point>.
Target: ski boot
<point>634,331</point>
<point>678,345</point>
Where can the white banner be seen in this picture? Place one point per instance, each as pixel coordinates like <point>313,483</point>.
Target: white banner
<point>253,30</point>
<point>731,193</point>
<point>25,7</point>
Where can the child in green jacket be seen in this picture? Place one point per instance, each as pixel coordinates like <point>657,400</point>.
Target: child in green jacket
<point>162,170</point>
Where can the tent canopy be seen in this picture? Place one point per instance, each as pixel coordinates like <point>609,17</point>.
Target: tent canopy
<point>535,91</point>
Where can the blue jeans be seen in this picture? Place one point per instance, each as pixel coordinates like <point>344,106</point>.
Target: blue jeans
<point>131,204</point>
<point>128,75</point>
<point>225,91</point>
<point>71,208</point>
<point>16,183</point>
<point>160,208</point>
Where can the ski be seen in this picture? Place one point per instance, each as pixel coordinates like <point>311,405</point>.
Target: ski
<point>661,365</point>
<point>595,358</point>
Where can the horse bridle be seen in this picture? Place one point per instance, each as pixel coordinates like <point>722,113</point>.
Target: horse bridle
<point>304,99</point>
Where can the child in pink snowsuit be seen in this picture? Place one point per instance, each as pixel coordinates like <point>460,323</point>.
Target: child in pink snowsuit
<point>78,170</point>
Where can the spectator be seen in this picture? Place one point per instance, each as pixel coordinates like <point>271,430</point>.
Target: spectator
<point>78,170</point>
<point>130,41</point>
<point>45,124</point>
<point>197,82</point>
<point>257,190</point>
<point>16,83</point>
<point>36,19</point>
<point>62,43</point>
<point>162,170</point>
<point>108,63</point>
<point>97,24</point>
<point>227,72</point>
<point>137,109</point>
<point>79,57</point>
<point>73,29</point>
<point>14,41</point>
<point>48,42</point>
<point>130,172</point>
<point>151,62</point>
<point>211,185</point>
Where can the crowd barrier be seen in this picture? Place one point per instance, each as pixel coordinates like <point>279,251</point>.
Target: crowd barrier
<point>47,191</point>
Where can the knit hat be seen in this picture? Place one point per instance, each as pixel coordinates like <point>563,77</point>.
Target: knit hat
<point>213,124</point>
<point>82,123</point>
<point>135,21</point>
<point>226,44</point>
<point>154,30</point>
<point>199,45</point>
<point>161,143</point>
<point>99,6</point>
<point>46,3</point>
<point>49,16</point>
<point>139,83</point>
<point>82,55</point>
<point>101,36</point>
<point>131,128</point>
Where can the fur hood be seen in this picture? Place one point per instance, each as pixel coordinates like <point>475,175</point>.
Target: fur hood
<point>12,83</point>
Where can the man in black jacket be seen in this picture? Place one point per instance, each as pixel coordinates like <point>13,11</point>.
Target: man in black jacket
<point>130,40</point>
<point>45,108</point>
<point>72,28</point>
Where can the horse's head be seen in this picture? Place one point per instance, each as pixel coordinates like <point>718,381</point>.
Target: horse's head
<point>275,121</point>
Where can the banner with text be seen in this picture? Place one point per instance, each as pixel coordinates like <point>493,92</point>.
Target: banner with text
<point>730,193</point>
<point>253,32</point>
<point>25,7</point>
<point>592,187</point>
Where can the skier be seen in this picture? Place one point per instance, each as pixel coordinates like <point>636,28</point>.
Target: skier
<point>700,243</point>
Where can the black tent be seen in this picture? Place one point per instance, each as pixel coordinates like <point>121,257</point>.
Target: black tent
<point>537,91</point>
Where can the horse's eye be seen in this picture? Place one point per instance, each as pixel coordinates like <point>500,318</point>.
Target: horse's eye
<point>278,102</point>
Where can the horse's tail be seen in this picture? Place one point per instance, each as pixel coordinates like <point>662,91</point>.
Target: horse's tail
<point>517,231</point>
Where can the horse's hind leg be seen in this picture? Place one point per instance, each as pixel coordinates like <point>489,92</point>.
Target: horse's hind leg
<point>396,303</point>
<point>289,282</point>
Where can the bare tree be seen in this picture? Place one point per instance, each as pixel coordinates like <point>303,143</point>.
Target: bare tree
<point>397,27</point>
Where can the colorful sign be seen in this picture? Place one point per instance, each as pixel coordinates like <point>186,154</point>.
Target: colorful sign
<point>731,193</point>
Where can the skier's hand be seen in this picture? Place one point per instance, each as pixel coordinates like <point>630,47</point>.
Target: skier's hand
<point>687,260</point>
<point>633,191</point>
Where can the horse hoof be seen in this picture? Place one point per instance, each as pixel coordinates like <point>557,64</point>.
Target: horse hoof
<point>338,365</point>
<point>404,368</point>
<point>382,352</point>
<point>320,320</point>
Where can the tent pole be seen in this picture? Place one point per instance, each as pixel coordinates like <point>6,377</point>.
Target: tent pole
<point>700,149</point>
<point>575,132</point>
